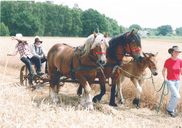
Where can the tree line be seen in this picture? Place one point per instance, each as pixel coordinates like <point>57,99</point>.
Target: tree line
<point>47,19</point>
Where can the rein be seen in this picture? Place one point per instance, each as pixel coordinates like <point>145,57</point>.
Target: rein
<point>163,87</point>
<point>129,73</point>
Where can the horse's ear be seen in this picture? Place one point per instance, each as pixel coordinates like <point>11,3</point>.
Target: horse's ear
<point>95,34</point>
<point>105,34</point>
<point>156,54</point>
<point>134,31</point>
<point>145,54</point>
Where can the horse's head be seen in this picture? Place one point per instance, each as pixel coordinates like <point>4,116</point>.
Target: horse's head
<point>151,61</point>
<point>98,45</point>
<point>132,43</point>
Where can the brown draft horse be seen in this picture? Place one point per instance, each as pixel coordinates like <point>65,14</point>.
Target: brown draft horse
<point>128,43</point>
<point>80,64</point>
<point>134,70</point>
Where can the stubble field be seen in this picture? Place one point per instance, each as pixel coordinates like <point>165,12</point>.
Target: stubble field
<point>22,108</point>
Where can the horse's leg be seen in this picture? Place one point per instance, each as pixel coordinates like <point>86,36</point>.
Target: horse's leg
<point>119,89</point>
<point>79,91</point>
<point>112,95</point>
<point>88,96</point>
<point>54,85</point>
<point>86,99</point>
<point>114,78</point>
<point>136,101</point>
<point>102,90</point>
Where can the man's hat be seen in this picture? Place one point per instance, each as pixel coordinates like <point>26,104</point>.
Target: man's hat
<point>37,39</point>
<point>174,48</point>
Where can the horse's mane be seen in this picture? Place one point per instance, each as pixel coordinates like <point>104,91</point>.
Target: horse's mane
<point>88,44</point>
<point>117,39</point>
<point>122,40</point>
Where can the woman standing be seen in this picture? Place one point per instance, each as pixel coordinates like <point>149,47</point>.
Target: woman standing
<point>171,74</point>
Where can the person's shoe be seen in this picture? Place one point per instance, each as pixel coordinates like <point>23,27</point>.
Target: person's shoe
<point>40,73</point>
<point>30,82</point>
<point>172,114</point>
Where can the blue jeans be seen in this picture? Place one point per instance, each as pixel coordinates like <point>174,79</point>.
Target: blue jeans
<point>29,61</point>
<point>44,59</point>
<point>174,86</point>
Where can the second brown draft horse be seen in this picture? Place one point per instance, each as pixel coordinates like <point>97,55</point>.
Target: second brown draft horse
<point>80,64</point>
<point>128,43</point>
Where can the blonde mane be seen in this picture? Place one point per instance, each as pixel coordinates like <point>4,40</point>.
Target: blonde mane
<point>92,41</point>
<point>88,44</point>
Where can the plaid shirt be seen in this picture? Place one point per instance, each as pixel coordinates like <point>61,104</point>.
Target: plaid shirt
<point>24,50</point>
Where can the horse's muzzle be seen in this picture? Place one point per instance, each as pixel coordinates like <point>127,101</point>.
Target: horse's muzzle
<point>102,62</point>
<point>155,73</point>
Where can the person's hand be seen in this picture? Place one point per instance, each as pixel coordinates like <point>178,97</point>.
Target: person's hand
<point>13,37</point>
<point>165,81</point>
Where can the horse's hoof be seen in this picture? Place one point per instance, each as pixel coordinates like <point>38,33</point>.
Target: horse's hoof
<point>88,106</point>
<point>121,101</point>
<point>136,103</point>
<point>95,100</point>
<point>79,91</point>
<point>113,104</point>
<point>31,88</point>
<point>56,101</point>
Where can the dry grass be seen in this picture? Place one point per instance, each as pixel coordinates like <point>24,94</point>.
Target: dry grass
<point>19,107</point>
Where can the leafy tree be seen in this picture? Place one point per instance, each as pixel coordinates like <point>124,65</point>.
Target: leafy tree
<point>115,27</point>
<point>19,17</point>
<point>93,21</point>
<point>76,22</point>
<point>122,29</point>
<point>179,31</point>
<point>39,12</point>
<point>67,22</point>
<point>135,26</point>
<point>4,31</point>
<point>48,19</point>
<point>164,30</point>
<point>54,20</point>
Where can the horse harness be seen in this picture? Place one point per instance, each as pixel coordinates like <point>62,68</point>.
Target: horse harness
<point>78,51</point>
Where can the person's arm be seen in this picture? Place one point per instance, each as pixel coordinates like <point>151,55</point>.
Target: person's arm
<point>164,73</point>
<point>14,53</point>
<point>181,71</point>
<point>19,40</point>
<point>43,52</point>
<point>32,49</point>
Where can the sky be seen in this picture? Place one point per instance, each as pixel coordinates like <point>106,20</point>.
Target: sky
<point>146,13</point>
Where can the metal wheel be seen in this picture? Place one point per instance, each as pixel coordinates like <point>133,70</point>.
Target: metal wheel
<point>24,76</point>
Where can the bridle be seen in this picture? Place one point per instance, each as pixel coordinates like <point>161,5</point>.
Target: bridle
<point>128,44</point>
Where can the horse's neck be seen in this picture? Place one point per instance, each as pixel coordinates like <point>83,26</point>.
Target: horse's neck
<point>136,68</point>
<point>86,61</point>
<point>142,65</point>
